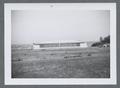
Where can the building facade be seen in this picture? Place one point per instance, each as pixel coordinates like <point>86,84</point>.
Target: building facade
<point>59,45</point>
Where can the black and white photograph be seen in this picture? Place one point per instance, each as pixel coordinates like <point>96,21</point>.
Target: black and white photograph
<point>55,41</point>
<point>60,44</point>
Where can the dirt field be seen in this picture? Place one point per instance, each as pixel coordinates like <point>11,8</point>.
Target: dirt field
<point>61,63</point>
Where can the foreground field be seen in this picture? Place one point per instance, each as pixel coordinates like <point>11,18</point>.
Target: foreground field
<point>61,63</point>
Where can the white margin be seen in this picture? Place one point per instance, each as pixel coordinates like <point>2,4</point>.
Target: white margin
<point>59,81</point>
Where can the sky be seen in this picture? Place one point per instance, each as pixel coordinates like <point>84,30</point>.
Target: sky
<point>30,26</point>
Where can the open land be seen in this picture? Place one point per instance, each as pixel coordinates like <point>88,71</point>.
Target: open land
<point>90,62</point>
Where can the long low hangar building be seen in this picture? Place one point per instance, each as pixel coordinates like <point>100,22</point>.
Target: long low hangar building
<point>60,44</point>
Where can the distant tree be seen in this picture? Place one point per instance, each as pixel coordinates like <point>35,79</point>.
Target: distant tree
<point>96,44</point>
<point>106,39</point>
<point>101,39</point>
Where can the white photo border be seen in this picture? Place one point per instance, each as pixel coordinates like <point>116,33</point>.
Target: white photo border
<point>8,7</point>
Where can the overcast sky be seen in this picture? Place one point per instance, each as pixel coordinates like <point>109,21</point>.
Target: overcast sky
<point>55,25</point>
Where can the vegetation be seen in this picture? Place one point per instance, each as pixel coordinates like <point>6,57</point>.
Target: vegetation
<point>102,41</point>
<point>91,62</point>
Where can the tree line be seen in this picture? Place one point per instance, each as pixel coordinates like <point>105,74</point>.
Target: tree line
<point>102,41</point>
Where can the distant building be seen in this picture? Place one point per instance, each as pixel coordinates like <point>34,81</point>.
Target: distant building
<point>60,44</point>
